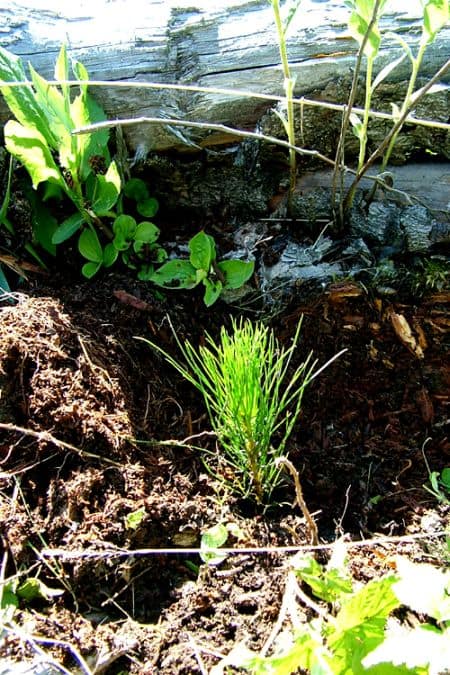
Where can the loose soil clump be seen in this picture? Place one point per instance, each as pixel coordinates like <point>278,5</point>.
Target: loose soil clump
<point>92,430</point>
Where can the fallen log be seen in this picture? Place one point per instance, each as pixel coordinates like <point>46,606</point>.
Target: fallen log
<point>225,45</point>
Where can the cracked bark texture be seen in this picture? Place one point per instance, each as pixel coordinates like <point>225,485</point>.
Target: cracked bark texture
<point>224,44</point>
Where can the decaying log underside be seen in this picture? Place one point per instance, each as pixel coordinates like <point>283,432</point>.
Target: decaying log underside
<point>222,44</point>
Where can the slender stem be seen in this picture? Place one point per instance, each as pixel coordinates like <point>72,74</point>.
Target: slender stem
<point>407,100</point>
<point>367,100</point>
<point>395,129</point>
<point>289,92</point>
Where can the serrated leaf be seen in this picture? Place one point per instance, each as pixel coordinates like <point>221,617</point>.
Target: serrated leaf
<point>328,585</point>
<point>375,599</point>
<point>175,274</point>
<point>359,625</point>
<point>146,232</point>
<point>236,272</point>
<point>424,588</point>
<point>89,246</point>
<point>30,147</point>
<point>202,250</point>
<point>67,228</point>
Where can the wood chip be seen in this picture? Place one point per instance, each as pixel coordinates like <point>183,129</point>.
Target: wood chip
<point>404,333</point>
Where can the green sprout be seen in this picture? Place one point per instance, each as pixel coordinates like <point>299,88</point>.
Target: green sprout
<point>252,398</point>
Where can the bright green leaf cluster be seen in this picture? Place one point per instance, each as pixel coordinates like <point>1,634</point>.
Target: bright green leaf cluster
<point>250,398</point>
<point>202,268</point>
<point>351,633</point>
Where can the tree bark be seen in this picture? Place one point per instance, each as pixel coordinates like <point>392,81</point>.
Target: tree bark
<point>218,44</point>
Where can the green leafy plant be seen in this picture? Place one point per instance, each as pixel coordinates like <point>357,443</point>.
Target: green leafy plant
<point>287,118</point>
<point>78,167</point>
<point>252,400</point>
<point>203,268</point>
<point>364,28</point>
<point>351,634</point>
<point>440,485</point>
<point>363,25</point>
<point>435,16</point>
<point>41,138</point>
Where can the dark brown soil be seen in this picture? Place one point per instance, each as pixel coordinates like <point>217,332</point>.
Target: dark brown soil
<point>86,411</point>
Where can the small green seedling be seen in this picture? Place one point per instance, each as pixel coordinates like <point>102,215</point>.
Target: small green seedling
<point>440,485</point>
<point>202,268</point>
<point>211,540</point>
<point>253,400</point>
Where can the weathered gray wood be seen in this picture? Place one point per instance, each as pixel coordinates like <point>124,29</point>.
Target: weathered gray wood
<point>222,44</point>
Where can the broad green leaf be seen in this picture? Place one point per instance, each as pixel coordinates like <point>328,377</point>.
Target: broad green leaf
<point>213,289</point>
<point>435,16</point>
<point>90,269</point>
<point>424,647</point>
<point>51,101</point>
<point>21,100</point>
<point>328,585</point>
<point>359,625</point>
<point>124,227</point>
<point>308,652</point>
<point>110,255</point>
<point>30,147</point>
<point>44,226</point>
<point>212,539</point>
<point>90,247</point>
<point>358,27</point>
<point>67,228</point>
<point>236,272</point>
<point>375,599</point>
<point>84,111</point>
<point>175,274</point>
<point>146,232</point>
<point>202,250</point>
<point>8,602</point>
<point>424,588</point>
<point>148,207</point>
<point>136,189</point>
<point>445,478</point>
<point>35,588</point>
<point>107,191</point>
